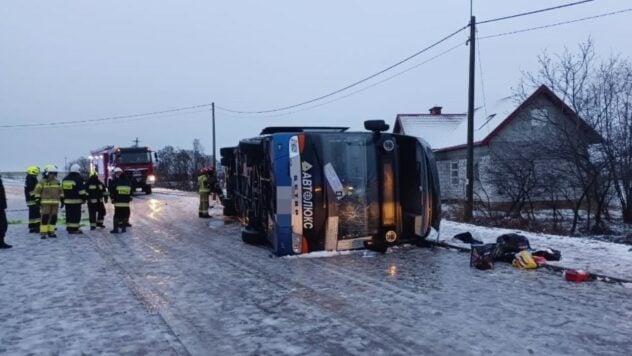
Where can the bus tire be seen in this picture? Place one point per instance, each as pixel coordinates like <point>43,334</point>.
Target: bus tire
<point>252,237</point>
<point>147,189</point>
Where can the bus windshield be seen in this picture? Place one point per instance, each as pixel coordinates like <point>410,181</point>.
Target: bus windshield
<point>350,169</point>
<point>138,157</point>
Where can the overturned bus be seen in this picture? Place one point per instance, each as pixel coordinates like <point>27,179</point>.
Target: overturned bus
<point>306,189</point>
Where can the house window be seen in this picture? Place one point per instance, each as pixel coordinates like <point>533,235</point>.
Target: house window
<point>454,173</point>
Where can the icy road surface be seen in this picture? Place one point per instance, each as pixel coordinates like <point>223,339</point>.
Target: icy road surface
<point>177,284</point>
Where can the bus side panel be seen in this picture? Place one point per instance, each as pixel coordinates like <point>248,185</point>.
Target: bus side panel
<point>280,236</point>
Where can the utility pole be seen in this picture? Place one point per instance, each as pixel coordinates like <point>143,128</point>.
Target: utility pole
<point>469,187</point>
<point>213,111</point>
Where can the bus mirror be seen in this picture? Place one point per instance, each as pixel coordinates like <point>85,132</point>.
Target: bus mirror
<point>156,157</point>
<point>376,125</point>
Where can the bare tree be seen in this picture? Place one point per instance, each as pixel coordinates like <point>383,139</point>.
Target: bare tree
<point>575,77</point>
<point>178,168</point>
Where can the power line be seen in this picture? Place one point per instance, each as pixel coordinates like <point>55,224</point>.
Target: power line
<point>60,125</point>
<point>354,84</point>
<point>353,92</point>
<point>555,24</point>
<point>534,12</point>
<point>110,118</point>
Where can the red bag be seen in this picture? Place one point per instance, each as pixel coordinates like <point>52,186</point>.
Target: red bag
<point>576,276</point>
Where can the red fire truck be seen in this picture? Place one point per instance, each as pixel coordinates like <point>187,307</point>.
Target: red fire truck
<point>136,162</point>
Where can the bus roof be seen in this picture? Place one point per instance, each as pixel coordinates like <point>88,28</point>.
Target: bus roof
<point>282,129</point>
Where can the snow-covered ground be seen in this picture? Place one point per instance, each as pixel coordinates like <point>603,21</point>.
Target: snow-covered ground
<point>176,284</point>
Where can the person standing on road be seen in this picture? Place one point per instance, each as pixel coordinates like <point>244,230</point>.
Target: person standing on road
<point>216,190</point>
<point>97,195</point>
<point>204,189</point>
<point>4,224</point>
<point>74,195</point>
<point>120,191</point>
<point>29,194</point>
<point>48,194</point>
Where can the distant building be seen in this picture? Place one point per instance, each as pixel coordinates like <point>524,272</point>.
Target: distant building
<point>502,133</point>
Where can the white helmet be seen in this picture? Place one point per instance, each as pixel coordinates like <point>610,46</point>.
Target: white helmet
<point>75,168</point>
<point>50,168</point>
<point>117,170</point>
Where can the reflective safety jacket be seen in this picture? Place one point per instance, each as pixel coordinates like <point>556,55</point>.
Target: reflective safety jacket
<point>96,190</point>
<point>203,184</point>
<point>49,192</point>
<point>74,189</point>
<point>120,192</point>
<point>29,189</point>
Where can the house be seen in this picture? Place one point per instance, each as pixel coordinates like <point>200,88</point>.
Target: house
<point>521,138</point>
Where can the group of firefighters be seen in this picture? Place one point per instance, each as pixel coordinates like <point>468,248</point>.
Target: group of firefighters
<point>45,196</point>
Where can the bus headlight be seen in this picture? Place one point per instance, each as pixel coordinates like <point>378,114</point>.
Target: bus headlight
<point>151,179</point>
<point>388,145</point>
<point>391,236</point>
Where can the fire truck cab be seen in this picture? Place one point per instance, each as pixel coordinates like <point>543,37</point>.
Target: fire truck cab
<point>136,162</point>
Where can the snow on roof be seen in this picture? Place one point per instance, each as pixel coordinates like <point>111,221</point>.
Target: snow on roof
<point>450,130</point>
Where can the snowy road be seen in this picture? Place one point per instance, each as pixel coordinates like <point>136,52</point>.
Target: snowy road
<point>180,285</point>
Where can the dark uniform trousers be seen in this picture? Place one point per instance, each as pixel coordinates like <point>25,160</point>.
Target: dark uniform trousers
<point>96,213</point>
<point>73,216</point>
<point>34,216</point>
<point>121,216</point>
<point>4,225</point>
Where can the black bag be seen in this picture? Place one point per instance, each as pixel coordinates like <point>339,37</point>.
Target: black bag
<point>549,254</point>
<point>508,245</point>
<point>467,238</point>
<point>481,256</point>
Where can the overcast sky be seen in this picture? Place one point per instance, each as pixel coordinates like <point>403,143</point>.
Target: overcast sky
<point>81,60</point>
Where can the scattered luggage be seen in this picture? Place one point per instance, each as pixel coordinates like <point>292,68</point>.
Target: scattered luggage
<point>549,254</point>
<point>524,260</point>
<point>481,256</point>
<point>467,238</point>
<point>511,248</point>
<point>577,276</point>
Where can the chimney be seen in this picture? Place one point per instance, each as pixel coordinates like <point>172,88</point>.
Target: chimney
<point>435,110</point>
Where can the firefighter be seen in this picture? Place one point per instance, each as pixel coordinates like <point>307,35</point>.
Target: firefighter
<point>97,195</point>
<point>29,194</point>
<point>48,195</point>
<point>74,195</point>
<point>214,186</point>
<point>204,188</point>
<point>3,217</point>
<point>120,191</point>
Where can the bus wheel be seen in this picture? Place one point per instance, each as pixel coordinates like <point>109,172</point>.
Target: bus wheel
<point>252,237</point>
<point>147,189</point>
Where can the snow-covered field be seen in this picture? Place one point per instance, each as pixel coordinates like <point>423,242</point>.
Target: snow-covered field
<point>176,284</point>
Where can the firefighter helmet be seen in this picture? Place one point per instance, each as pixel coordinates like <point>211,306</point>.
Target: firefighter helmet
<point>50,169</point>
<point>75,168</point>
<point>33,170</point>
